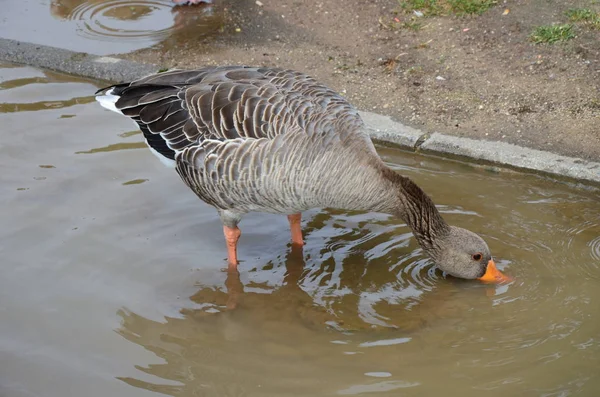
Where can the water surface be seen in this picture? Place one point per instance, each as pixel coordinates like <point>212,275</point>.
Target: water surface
<point>112,282</point>
<point>107,26</point>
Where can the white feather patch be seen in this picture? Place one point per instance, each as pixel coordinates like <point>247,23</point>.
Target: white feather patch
<point>108,100</point>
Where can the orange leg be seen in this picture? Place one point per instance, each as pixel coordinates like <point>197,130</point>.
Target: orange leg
<point>296,229</point>
<point>232,235</point>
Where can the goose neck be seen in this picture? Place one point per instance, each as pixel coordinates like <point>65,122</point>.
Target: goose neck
<point>415,207</point>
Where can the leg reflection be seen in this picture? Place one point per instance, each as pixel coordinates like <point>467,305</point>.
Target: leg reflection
<point>234,288</point>
<point>294,265</point>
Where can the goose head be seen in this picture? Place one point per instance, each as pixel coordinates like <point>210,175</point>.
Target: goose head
<point>463,254</point>
<point>456,251</point>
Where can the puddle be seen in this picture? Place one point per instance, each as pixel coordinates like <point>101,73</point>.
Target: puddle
<point>107,27</point>
<point>112,283</point>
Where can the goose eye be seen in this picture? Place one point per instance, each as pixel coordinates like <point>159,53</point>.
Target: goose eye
<point>477,256</point>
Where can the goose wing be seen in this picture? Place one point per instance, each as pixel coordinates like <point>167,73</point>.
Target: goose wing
<point>181,108</point>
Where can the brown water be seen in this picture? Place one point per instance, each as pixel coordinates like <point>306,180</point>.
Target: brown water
<point>111,280</point>
<point>107,26</point>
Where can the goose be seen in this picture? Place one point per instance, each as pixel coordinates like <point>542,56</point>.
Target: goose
<point>261,139</point>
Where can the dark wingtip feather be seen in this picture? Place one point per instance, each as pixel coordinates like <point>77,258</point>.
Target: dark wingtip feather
<point>156,142</point>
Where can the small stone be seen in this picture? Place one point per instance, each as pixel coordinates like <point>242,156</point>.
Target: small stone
<point>440,78</point>
<point>259,3</point>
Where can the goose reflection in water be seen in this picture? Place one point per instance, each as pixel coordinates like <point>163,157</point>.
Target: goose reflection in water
<point>297,318</point>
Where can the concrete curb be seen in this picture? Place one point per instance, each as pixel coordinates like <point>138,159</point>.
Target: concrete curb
<point>514,156</point>
<point>381,128</point>
<point>75,63</point>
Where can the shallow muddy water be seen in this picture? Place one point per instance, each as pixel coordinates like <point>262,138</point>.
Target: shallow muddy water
<point>111,279</point>
<point>107,26</point>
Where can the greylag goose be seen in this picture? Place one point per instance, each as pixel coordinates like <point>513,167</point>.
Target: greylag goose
<point>272,140</point>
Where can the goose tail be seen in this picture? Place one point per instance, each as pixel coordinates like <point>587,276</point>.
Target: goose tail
<point>108,97</point>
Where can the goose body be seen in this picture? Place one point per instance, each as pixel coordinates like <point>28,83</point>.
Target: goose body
<point>250,139</point>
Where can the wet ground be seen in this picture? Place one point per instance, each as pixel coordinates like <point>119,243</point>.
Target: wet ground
<point>112,282</point>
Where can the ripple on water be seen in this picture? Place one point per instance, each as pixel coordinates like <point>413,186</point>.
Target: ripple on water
<point>595,248</point>
<point>133,20</point>
<point>587,229</point>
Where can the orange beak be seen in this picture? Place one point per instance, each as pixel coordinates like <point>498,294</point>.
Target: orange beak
<point>493,275</point>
